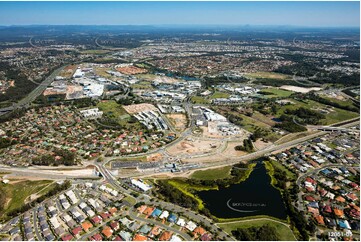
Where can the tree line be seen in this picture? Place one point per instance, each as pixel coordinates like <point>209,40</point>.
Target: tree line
<point>297,218</point>
<point>66,158</point>
<point>264,233</point>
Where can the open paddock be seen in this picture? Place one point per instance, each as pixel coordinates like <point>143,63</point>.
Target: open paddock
<point>193,146</point>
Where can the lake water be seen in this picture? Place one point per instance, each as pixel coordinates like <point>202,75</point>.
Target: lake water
<point>254,196</point>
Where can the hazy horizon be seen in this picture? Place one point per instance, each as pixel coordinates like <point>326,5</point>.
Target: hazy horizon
<point>297,14</point>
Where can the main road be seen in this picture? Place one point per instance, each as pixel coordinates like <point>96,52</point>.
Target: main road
<point>23,103</point>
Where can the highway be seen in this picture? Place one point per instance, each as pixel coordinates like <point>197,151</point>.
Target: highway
<point>108,177</point>
<point>23,103</point>
<point>267,151</point>
<point>43,173</point>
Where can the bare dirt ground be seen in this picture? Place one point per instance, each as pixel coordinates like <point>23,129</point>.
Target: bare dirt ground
<point>68,71</point>
<point>212,132</point>
<point>226,151</point>
<point>166,79</point>
<point>72,90</point>
<point>178,120</point>
<point>102,71</point>
<point>211,127</point>
<point>300,89</point>
<point>193,146</point>
<point>336,96</point>
<point>154,157</point>
<point>136,108</point>
<point>259,144</point>
<point>131,70</point>
<point>231,152</point>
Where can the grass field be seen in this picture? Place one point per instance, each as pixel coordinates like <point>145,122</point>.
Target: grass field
<point>102,71</point>
<point>269,75</point>
<point>218,94</point>
<point>212,174</point>
<point>284,232</point>
<point>278,165</point>
<point>339,115</point>
<point>18,192</point>
<point>199,100</point>
<point>95,52</point>
<point>347,102</point>
<point>335,116</point>
<point>251,124</point>
<point>278,93</point>
<point>146,76</point>
<point>46,189</point>
<point>142,85</point>
<point>263,118</point>
<point>292,136</point>
<point>112,109</point>
<point>130,200</point>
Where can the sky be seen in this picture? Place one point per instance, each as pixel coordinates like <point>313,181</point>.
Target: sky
<point>315,14</point>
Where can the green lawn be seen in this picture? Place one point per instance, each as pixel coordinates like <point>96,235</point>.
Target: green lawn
<point>116,111</point>
<point>334,116</point>
<point>282,167</point>
<point>218,94</point>
<point>212,174</point>
<point>199,100</point>
<point>347,102</point>
<point>17,193</point>
<point>251,124</point>
<point>142,85</point>
<point>284,232</point>
<point>95,52</point>
<point>277,92</point>
<point>130,200</point>
<point>47,188</point>
<point>112,109</point>
<point>339,115</point>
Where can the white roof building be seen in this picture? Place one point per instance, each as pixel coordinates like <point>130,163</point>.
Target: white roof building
<point>82,205</point>
<point>141,185</point>
<point>72,196</point>
<point>67,218</point>
<point>181,222</point>
<point>114,193</point>
<point>175,238</point>
<point>91,113</point>
<point>78,73</point>
<point>54,222</point>
<point>93,203</point>
<point>164,214</point>
<point>90,213</point>
<point>191,226</point>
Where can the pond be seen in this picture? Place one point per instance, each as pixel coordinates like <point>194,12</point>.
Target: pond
<point>254,196</point>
